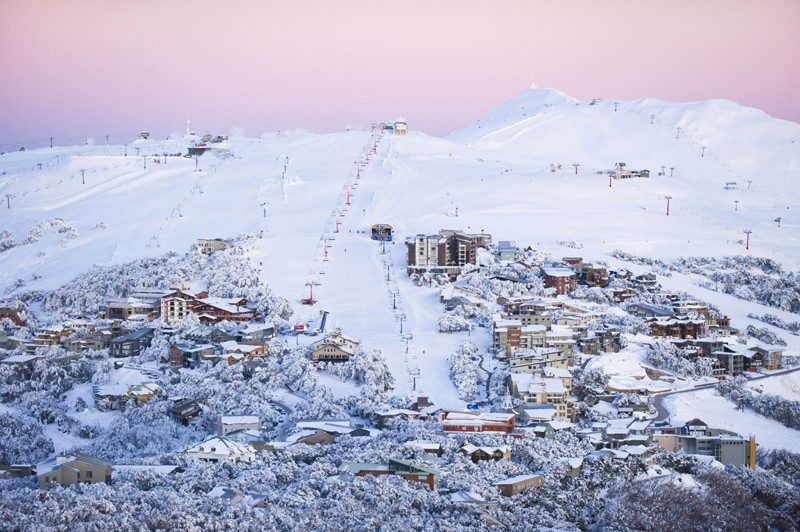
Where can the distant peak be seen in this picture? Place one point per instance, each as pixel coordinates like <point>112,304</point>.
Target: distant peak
<point>533,85</point>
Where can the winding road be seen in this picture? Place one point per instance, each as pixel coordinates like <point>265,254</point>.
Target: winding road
<point>664,414</point>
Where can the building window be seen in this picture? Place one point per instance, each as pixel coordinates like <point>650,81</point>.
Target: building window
<point>88,474</point>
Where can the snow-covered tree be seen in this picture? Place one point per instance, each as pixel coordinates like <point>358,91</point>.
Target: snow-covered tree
<point>464,370</point>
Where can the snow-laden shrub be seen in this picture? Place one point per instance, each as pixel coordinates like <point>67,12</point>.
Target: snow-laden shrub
<point>450,323</point>
<point>665,355</point>
<point>23,441</point>
<point>464,370</point>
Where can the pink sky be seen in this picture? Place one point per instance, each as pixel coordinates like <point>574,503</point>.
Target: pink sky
<point>94,67</point>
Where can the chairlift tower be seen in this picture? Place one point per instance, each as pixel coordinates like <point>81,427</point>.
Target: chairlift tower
<point>310,300</point>
<point>747,232</point>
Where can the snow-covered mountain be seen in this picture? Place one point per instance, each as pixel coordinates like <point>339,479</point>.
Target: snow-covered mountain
<point>726,168</point>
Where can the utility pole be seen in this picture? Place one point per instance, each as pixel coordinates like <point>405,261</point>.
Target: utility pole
<point>703,152</point>
<point>8,200</point>
<point>671,170</point>
<point>145,162</point>
<point>576,165</point>
<point>747,232</point>
<point>652,119</point>
<point>667,198</point>
<point>137,150</point>
<point>615,106</point>
<point>778,219</point>
<point>736,205</point>
<point>51,142</point>
<point>83,179</point>
<point>126,150</point>
<point>749,182</point>
<point>678,134</point>
<point>610,177</point>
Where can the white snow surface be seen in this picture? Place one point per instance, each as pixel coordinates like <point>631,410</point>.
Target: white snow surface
<point>495,172</point>
<point>718,412</point>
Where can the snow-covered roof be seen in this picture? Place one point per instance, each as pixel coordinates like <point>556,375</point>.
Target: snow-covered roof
<point>540,412</point>
<point>226,305</point>
<point>355,467</point>
<point>469,449</point>
<point>230,346</point>
<point>334,426</point>
<point>398,411</point>
<point>57,462</point>
<point>558,272</point>
<point>537,352</point>
<point>239,420</point>
<point>257,327</point>
<point>516,480</point>
<point>112,390</point>
<point>220,446</point>
<point>636,450</point>
<point>21,359</point>
<point>561,373</point>
<point>469,497</point>
<point>424,445</point>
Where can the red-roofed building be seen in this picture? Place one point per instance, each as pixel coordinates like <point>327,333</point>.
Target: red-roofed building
<point>478,422</point>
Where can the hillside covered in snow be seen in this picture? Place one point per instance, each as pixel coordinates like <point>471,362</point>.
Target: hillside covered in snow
<point>704,195</point>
